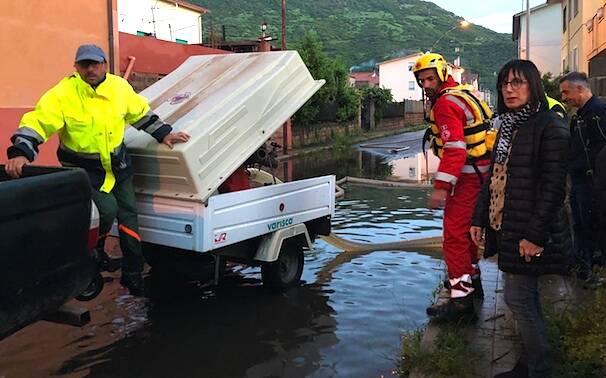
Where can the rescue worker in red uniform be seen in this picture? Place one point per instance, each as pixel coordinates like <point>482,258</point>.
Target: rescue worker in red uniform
<point>459,122</point>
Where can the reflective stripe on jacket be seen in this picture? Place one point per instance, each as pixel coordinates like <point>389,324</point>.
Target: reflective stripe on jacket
<point>90,123</point>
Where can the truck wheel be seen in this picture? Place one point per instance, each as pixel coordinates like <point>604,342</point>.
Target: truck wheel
<point>94,288</point>
<point>286,271</point>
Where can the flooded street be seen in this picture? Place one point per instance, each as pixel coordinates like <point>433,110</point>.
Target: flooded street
<point>344,321</point>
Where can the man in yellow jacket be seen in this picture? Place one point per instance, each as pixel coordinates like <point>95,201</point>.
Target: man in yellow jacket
<point>89,110</point>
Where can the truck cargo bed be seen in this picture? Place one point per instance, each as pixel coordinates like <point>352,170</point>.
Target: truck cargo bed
<point>44,259</point>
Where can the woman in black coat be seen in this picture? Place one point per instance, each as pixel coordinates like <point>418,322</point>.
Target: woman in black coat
<point>520,213</point>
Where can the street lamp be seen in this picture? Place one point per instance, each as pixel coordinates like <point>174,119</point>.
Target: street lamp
<point>461,24</point>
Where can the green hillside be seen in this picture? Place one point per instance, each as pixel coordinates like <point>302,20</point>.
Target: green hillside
<point>364,32</point>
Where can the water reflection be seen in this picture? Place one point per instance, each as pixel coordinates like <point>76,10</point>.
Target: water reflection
<point>417,168</point>
<point>394,158</point>
<point>239,330</point>
<point>330,162</point>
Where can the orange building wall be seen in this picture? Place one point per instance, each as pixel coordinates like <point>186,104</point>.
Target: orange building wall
<point>38,40</point>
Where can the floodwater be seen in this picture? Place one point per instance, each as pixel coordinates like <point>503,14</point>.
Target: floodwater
<point>345,320</point>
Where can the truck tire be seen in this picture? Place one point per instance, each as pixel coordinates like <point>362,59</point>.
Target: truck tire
<point>286,271</point>
<point>93,289</point>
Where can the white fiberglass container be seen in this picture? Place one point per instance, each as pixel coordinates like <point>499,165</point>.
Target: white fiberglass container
<point>229,104</point>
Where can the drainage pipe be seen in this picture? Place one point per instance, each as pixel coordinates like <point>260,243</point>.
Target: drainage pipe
<point>129,68</point>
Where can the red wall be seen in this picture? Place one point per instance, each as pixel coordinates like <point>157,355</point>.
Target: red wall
<point>156,56</point>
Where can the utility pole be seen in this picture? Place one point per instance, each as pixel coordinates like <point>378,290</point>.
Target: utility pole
<point>211,34</point>
<point>527,29</point>
<point>201,30</point>
<point>283,24</point>
<point>287,127</point>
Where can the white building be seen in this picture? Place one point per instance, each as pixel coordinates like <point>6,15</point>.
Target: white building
<point>545,34</point>
<point>176,21</point>
<point>396,74</point>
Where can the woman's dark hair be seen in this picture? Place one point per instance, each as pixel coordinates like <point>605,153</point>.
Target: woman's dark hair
<point>526,70</point>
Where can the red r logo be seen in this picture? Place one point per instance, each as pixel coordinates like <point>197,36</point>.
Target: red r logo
<point>220,238</point>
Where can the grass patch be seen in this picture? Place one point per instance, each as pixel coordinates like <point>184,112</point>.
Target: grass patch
<point>577,335</point>
<point>450,355</point>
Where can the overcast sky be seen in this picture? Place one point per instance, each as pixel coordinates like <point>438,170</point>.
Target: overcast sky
<point>492,14</point>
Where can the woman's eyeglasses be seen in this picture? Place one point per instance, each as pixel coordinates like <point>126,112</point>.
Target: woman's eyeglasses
<point>516,83</point>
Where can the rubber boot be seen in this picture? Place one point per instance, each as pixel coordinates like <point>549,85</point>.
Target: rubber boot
<point>476,282</point>
<point>134,283</point>
<point>104,262</point>
<point>451,309</point>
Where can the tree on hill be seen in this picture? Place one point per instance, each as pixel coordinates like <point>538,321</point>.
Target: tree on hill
<point>335,90</point>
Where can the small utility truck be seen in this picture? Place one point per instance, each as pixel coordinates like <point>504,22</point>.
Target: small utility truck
<point>230,105</point>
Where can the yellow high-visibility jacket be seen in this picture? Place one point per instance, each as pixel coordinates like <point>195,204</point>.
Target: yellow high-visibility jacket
<point>90,123</point>
<point>557,107</point>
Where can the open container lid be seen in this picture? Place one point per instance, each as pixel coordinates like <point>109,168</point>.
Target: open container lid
<point>229,104</point>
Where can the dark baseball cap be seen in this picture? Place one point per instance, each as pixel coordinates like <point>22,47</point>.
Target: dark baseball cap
<point>90,52</point>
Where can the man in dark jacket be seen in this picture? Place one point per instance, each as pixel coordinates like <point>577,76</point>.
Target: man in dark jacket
<point>588,138</point>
